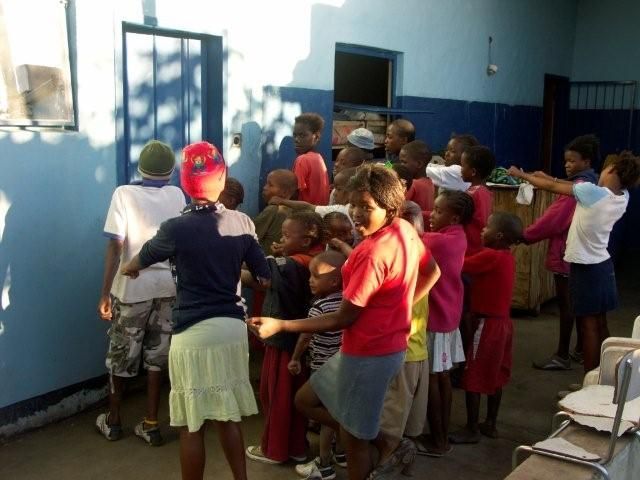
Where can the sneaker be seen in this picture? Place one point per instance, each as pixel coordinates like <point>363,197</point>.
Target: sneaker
<point>110,432</point>
<point>315,470</point>
<point>553,363</point>
<point>150,435</point>
<point>576,356</point>
<point>340,459</point>
<point>255,453</point>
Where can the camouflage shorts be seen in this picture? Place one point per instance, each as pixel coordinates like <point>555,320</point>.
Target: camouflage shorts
<point>142,328</point>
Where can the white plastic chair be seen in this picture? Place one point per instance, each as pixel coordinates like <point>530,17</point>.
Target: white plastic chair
<point>588,406</point>
<point>593,377</point>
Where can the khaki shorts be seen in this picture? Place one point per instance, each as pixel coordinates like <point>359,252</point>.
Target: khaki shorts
<point>405,404</point>
<point>139,329</point>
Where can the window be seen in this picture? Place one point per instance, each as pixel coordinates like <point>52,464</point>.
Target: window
<point>35,72</point>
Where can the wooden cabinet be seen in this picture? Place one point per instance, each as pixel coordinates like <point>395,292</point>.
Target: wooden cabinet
<point>534,283</point>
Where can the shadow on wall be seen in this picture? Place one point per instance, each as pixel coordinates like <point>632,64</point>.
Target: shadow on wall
<point>54,195</point>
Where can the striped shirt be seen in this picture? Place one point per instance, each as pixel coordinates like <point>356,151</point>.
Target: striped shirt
<point>324,345</point>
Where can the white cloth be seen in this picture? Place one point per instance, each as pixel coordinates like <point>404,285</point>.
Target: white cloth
<point>448,178</point>
<point>525,194</point>
<point>134,216</point>
<point>597,210</point>
<point>322,210</point>
<point>445,350</point>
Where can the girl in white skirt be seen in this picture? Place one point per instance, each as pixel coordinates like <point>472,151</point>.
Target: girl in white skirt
<point>209,355</point>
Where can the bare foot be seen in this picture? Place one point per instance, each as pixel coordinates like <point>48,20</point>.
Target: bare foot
<point>488,430</point>
<point>464,436</point>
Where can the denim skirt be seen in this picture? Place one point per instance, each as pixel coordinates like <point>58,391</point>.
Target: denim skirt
<point>592,288</point>
<point>352,388</point>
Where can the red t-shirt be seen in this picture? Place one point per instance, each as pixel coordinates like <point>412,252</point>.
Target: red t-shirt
<point>313,180</point>
<point>422,192</point>
<point>493,274</point>
<point>447,246</point>
<point>380,276</point>
<point>482,201</point>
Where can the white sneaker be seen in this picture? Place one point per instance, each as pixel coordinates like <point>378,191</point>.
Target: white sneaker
<point>315,470</point>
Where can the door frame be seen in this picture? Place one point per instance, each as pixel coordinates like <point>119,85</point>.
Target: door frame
<point>211,81</point>
<point>549,116</point>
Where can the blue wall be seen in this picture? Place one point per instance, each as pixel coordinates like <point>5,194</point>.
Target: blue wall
<point>59,183</point>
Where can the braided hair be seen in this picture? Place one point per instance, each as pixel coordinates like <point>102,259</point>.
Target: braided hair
<point>460,203</point>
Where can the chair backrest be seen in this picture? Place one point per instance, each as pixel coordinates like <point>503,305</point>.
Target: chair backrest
<point>612,349</point>
<point>631,360</point>
<point>636,328</point>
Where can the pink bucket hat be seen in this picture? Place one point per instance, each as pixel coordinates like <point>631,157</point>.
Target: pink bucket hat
<point>203,171</point>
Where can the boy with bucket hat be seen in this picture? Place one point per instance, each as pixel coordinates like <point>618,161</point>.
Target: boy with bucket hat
<point>139,312</point>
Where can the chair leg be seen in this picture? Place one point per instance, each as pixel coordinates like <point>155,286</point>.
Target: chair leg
<point>556,417</point>
<point>622,398</point>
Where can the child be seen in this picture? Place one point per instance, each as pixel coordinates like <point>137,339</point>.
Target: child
<point>448,243</point>
<point>287,297</point>
<point>325,282</point>
<point>399,133</point>
<point>233,194</point>
<point>341,197</point>
<point>477,163</point>
<point>488,369</point>
<point>592,283</point>
<point>209,354</point>
<point>405,403</point>
<point>349,157</point>
<point>554,224</point>
<point>405,176</point>
<point>337,225</point>
<point>415,156</point>
<point>309,167</point>
<point>140,311</point>
<point>380,279</point>
<point>448,176</point>
<point>283,184</point>
<point>363,139</point>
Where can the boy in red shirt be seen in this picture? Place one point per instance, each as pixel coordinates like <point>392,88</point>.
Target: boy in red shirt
<point>489,357</point>
<point>415,156</point>
<point>309,166</point>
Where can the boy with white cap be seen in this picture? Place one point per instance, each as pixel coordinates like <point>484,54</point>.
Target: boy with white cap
<point>140,311</point>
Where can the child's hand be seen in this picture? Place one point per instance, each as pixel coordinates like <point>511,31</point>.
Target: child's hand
<point>295,367</point>
<point>276,200</point>
<point>515,172</point>
<point>277,249</point>
<point>104,308</point>
<point>264,327</point>
<point>340,246</point>
<point>129,272</point>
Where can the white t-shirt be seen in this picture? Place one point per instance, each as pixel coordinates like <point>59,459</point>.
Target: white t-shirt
<point>134,216</point>
<point>448,178</point>
<point>597,210</point>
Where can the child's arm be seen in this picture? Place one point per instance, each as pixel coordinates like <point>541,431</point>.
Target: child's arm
<point>249,281</point>
<point>160,248</point>
<point>295,367</point>
<point>481,262</point>
<point>294,204</point>
<point>341,246</point>
<point>347,314</point>
<point>556,219</point>
<point>447,177</point>
<point>111,264</point>
<point>427,278</point>
<point>551,185</point>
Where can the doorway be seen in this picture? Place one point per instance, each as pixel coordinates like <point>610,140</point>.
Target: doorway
<point>555,114</point>
<point>172,92</point>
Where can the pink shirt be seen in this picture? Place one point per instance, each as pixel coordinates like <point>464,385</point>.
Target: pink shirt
<point>313,180</point>
<point>448,246</point>
<point>380,275</point>
<point>422,192</point>
<point>482,201</point>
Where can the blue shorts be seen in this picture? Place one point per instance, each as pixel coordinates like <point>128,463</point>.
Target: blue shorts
<point>352,388</point>
<point>592,288</point>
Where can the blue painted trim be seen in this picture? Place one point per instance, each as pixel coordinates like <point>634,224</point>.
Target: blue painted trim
<point>383,110</point>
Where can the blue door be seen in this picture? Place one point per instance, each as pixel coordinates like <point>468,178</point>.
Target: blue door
<point>172,91</point>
